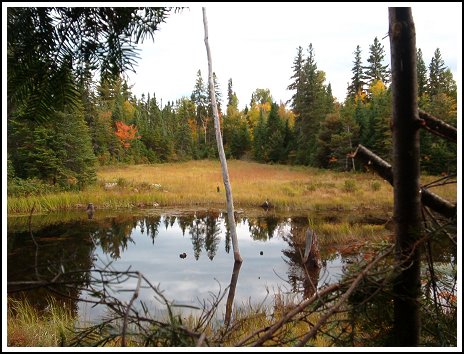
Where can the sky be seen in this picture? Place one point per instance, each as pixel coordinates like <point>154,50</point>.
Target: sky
<point>255,44</point>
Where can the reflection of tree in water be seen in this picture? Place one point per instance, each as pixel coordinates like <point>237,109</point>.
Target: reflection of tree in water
<point>302,276</point>
<point>169,221</point>
<point>204,229</point>
<point>113,240</point>
<point>184,222</point>
<point>212,236</point>
<point>151,223</point>
<point>57,248</point>
<point>197,231</point>
<point>263,228</point>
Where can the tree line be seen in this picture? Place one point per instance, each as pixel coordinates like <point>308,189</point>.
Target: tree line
<point>103,123</point>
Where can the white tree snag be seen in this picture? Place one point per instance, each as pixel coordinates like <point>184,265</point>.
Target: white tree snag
<point>222,155</point>
<point>406,173</point>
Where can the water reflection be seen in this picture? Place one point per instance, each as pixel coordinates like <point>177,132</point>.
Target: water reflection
<point>271,246</point>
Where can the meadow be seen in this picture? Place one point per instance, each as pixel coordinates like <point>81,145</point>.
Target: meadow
<point>200,184</point>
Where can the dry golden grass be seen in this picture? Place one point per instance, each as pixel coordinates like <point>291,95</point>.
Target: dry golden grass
<point>195,183</point>
<point>286,187</point>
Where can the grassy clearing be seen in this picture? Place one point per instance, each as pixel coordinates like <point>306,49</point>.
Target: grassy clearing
<point>195,183</point>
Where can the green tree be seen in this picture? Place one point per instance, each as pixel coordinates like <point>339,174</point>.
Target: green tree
<point>200,98</point>
<point>422,82</point>
<point>436,72</point>
<point>298,82</point>
<point>47,46</point>
<point>275,146</point>
<point>58,151</point>
<point>376,70</point>
<point>313,110</point>
<point>357,83</point>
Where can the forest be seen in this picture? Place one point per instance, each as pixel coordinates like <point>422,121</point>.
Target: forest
<point>82,140</point>
<point>56,142</point>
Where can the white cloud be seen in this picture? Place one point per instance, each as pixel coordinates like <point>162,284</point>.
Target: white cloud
<point>255,44</point>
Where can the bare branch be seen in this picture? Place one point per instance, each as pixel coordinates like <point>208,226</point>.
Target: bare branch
<point>384,170</point>
<point>438,127</point>
<point>134,296</point>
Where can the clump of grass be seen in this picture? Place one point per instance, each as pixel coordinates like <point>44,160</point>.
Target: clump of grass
<point>26,327</point>
<point>375,186</point>
<point>350,186</point>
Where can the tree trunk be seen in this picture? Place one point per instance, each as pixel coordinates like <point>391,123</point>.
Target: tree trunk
<point>406,173</point>
<point>231,296</point>
<point>222,155</point>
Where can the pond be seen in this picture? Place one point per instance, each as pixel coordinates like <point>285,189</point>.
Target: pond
<point>187,255</point>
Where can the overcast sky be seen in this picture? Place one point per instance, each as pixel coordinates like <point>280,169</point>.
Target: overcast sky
<point>255,44</point>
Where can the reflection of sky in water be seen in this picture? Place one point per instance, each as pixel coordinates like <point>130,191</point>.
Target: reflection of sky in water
<point>190,282</point>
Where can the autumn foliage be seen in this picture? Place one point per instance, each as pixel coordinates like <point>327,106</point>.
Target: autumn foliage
<point>126,133</point>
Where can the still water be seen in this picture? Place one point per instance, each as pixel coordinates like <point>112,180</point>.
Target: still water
<point>187,255</point>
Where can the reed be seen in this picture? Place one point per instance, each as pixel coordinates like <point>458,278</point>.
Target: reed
<point>26,327</point>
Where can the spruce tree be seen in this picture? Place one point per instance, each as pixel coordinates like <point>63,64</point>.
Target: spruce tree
<point>298,82</point>
<point>436,73</point>
<point>357,82</point>
<point>376,70</point>
<point>421,74</point>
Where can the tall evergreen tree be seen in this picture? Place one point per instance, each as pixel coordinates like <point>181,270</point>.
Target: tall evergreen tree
<point>436,72</point>
<point>298,82</point>
<point>313,110</point>
<point>230,93</point>
<point>200,98</point>
<point>421,74</point>
<point>376,70</point>
<point>357,83</point>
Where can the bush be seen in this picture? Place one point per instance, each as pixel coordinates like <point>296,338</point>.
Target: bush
<point>19,187</point>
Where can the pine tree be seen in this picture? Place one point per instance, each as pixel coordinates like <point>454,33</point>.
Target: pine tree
<point>298,83</point>
<point>313,110</point>
<point>200,98</point>
<point>274,141</point>
<point>436,73</point>
<point>357,82</point>
<point>421,74</point>
<point>376,70</point>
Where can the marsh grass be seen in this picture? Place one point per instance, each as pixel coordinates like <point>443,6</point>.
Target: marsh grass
<point>195,183</point>
<point>27,327</point>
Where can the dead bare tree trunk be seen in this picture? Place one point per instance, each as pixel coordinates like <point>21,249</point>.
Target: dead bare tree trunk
<point>406,173</point>
<point>222,155</point>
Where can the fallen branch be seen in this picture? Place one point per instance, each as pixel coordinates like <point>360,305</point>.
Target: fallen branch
<point>438,127</point>
<point>384,170</point>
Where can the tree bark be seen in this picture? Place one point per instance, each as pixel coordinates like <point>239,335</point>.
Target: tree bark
<point>438,127</point>
<point>384,170</point>
<point>222,155</point>
<point>406,173</point>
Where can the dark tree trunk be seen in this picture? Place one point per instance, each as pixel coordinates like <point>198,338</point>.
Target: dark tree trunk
<point>231,296</point>
<point>406,173</point>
